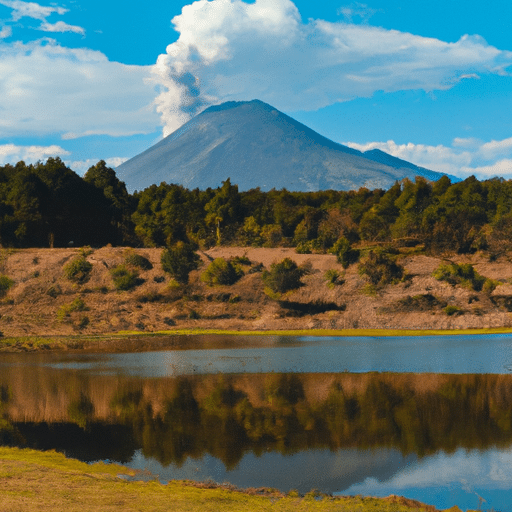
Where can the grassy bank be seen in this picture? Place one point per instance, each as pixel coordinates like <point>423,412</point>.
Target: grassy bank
<point>32,480</point>
<point>330,332</point>
<point>189,338</point>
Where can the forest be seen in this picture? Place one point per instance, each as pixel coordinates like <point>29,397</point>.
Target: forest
<point>49,205</point>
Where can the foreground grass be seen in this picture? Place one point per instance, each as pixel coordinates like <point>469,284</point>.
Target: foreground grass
<point>32,480</point>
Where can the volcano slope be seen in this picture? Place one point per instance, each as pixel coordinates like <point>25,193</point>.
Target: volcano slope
<point>256,145</point>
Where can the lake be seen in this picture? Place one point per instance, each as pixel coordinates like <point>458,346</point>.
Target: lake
<point>429,418</point>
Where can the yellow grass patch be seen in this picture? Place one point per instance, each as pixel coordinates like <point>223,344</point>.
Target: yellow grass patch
<point>31,480</point>
<point>327,332</point>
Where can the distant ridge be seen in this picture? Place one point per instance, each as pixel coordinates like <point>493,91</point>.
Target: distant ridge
<point>256,145</point>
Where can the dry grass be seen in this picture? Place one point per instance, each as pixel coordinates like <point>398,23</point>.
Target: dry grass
<point>31,480</point>
<point>30,307</point>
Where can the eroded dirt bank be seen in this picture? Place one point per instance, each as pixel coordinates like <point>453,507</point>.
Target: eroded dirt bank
<point>43,301</point>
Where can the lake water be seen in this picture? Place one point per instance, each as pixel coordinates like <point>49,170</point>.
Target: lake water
<point>429,418</point>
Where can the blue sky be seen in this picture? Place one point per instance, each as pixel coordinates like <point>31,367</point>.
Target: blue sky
<point>427,81</point>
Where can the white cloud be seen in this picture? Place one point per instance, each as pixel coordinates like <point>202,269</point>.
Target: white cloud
<point>82,166</point>
<point>501,168</point>
<point>60,26</point>
<point>115,161</point>
<point>496,148</point>
<point>46,88</point>
<point>12,153</point>
<point>30,10</point>
<point>465,157</point>
<point>356,10</point>
<point>467,142</point>
<point>5,32</point>
<point>35,11</point>
<point>437,158</point>
<point>233,50</point>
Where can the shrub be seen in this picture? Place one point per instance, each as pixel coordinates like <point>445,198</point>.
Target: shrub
<point>344,252</point>
<point>150,297</point>
<point>179,261</point>
<point>123,278</point>
<point>464,274</point>
<point>54,291</point>
<point>66,309</point>
<point>303,247</point>
<point>272,235</point>
<point>490,285</point>
<point>380,269</point>
<point>221,272</point>
<point>6,283</point>
<point>452,310</point>
<point>137,260</point>
<point>283,276</point>
<point>85,251</point>
<point>78,270</point>
<point>369,289</point>
<point>333,278</point>
<point>241,260</point>
<point>83,323</point>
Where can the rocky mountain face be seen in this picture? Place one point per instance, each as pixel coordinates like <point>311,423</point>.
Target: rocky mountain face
<point>256,145</point>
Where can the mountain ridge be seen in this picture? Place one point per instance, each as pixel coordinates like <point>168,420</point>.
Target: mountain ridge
<point>256,145</point>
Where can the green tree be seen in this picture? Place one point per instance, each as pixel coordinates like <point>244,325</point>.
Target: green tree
<point>283,276</point>
<point>411,203</point>
<point>224,208</point>
<point>121,204</point>
<point>344,252</point>
<point>375,223</point>
<point>179,260</point>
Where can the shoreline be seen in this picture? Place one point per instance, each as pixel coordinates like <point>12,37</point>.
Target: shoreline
<point>44,476</point>
<point>130,341</point>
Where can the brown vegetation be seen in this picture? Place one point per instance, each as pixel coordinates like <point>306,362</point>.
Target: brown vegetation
<point>44,301</point>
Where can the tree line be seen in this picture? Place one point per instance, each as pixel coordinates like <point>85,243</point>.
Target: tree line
<point>49,205</point>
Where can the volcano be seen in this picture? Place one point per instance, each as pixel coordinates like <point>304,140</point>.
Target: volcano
<point>256,145</point>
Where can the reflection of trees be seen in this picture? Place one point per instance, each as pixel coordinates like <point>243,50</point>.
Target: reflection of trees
<point>226,416</point>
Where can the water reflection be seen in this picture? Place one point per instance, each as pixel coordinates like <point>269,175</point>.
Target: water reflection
<point>227,416</point>
<point>426,436</point>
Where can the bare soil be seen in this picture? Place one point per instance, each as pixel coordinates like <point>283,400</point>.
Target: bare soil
<point>39,301</point>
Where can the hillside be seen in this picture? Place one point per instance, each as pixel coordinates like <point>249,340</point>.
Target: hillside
<point>256,145</point>
<point>42,301</point>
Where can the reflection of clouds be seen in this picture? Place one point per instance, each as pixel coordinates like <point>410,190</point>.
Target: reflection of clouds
<point>500,467</point>
<point>326,470</point>
<point>469,470</point>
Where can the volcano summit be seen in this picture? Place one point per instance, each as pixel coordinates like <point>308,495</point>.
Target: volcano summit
<point>256,145</point>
